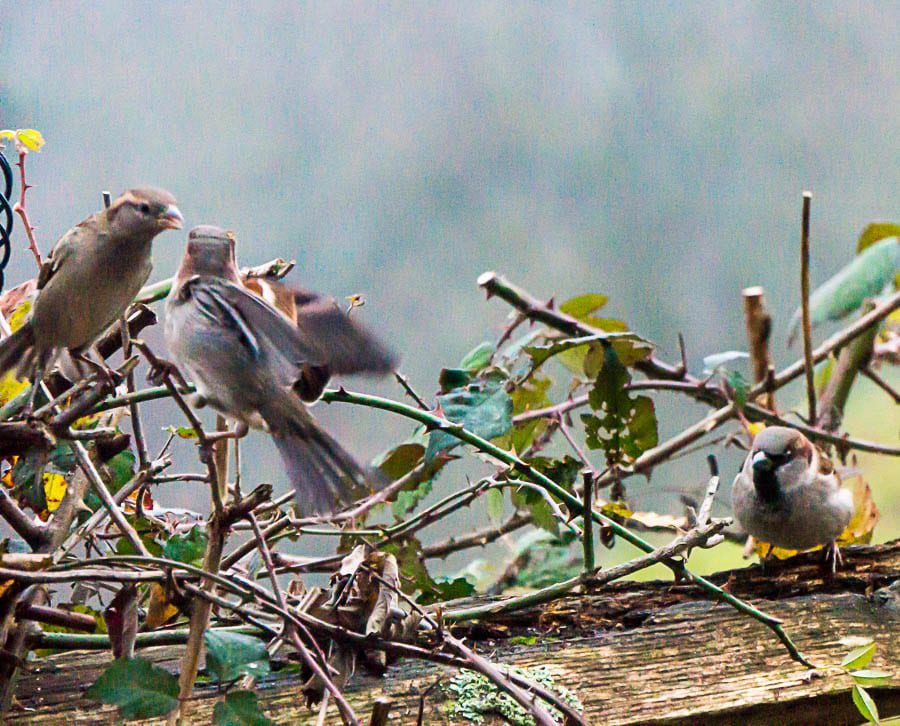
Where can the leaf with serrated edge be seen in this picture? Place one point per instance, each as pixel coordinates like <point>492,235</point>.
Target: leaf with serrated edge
<point>240,708</point>
<point>231,655</point>
<point>139,688</point>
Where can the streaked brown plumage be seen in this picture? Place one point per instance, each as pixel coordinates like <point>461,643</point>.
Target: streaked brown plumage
<point>90,277</point>
<point>254,362</point>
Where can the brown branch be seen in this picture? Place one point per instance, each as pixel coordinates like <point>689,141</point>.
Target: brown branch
<point>522,301</point>
<point>759,328</point>
<point>33,533</point>
<point>19,208</point>
<point>479,538</point>
<point>55,616</point>
<point>217,530</point>
<point>838,340</point>
<point>881,383</point>
<point>804,307</point>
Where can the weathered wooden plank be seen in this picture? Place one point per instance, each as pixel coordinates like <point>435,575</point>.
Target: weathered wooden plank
<point>678,660</point>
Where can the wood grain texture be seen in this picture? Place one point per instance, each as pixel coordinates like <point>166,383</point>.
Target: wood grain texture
<point>635,653</point>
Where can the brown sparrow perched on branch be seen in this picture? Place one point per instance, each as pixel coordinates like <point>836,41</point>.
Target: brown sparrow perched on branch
<point>89,279</point>
<point>257,365</point>
<point>788,494</point>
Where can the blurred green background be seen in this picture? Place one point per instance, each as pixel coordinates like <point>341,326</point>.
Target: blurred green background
<point>655,152</point>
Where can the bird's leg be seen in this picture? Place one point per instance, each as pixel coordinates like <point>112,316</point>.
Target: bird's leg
<point>28,408</point>
<point>766,559</point>
<point>160,369</point>
<point>832,556</point>
<point>103,371</point>
<point>240,431</point>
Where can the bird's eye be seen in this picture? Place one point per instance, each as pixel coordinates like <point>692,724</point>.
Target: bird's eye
<point>145,208</point>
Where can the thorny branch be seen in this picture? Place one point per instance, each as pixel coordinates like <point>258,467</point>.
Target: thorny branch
<point>223,582</point>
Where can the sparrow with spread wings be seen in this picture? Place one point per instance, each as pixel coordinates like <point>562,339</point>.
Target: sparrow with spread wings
<point>257,364</point>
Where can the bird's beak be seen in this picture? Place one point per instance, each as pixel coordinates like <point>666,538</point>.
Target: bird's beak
<point>171,218</point>
<point>761,463</point>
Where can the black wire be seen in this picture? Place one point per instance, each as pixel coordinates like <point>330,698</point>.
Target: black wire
<point>6,217</point>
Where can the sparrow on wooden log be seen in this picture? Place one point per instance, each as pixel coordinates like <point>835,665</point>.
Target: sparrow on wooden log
<point>92,274</point>
<point>789,495</point>
<point>256,363</point>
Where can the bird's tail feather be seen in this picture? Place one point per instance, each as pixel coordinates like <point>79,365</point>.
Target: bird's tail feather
<point>18,351</point>
<point>324,476</point>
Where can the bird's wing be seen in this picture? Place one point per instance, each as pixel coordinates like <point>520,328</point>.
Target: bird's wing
<point>62,250</point>
<point>264,332</point>
<point>344,346</point>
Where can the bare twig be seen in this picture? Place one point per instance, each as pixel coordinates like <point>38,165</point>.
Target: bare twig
<point>759,328</point>
<point>404,382</point>
<point>19,208</point>
<point>881,383</point>
<point>804,305</point>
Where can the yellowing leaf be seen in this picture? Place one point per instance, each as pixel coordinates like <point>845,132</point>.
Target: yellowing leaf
<point>54,490</point>
<point>754,428</point>
<point>160,610</point>
<point>10,387</point>
<point>31,139</point>
<point>616,509</point>
<point>6,479</point>
<point>20,315</point>
<point>865,516</point>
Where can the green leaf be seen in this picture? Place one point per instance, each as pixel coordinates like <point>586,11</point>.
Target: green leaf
<point>400,460</point>
<point>139,689</point>
<point>583,306</point>
<point>447,589</point>
<point>624,425</point>
<point>494,500</point>
<point>483,408</point>
<point>866,276</point>
<point>186,547</point>
<point>860,657</point>
<point>527,396</point>
<point>876,232</point>
<point>182,432</point>
<point>563,471</point>
<point>409,499</point>
<point>240,708</point>
<point>541,512</point>
<point>121,469</point>
<point>478,358</point>
<point>739,385</point>
<point>713,362</point>
<point>413,573</point>
<point>541,353</point>
<point>870,677</point>
<point>864,704</point>
<point>231,655</point>
<point>452,378</point>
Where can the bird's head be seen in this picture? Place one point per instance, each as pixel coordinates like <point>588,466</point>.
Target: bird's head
<point>778,460</point>
<point>143,214</point>
<point>210,252</point>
